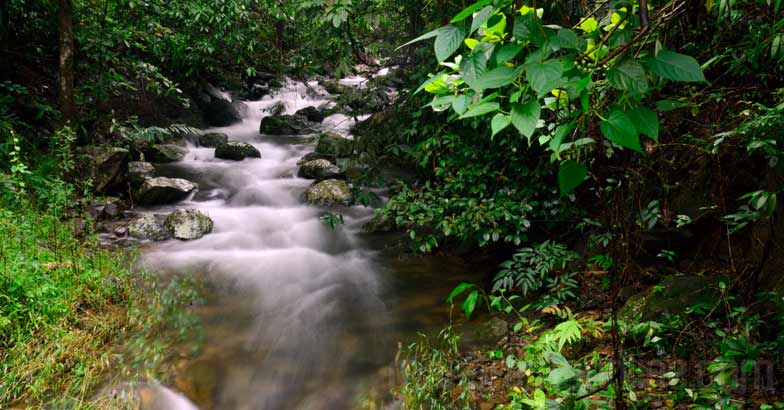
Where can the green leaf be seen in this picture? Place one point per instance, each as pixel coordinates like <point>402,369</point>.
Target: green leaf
<point>507,52</point>
<point>676,67</point>
<point>526,116</point>
<point>481,18</point>
<point>566,39</point>
<point>436,77</point>
<point>460,104</point>
<point>561,375</point>
<point>472,68</point>
<point>448,41</point>
<point>620,129</point>
<point>429,34</point>
<point>500,121</point>
<point>469,305</point>
<point>458,290</point>
<point>481,109</point>
<point>497,78</point>
<point>646,122</point>
<point>669,105</point>
<point>468,11</point>
<point>544,76</point>
<point>570,175</point>
<point>528,28</point>
<point>628,75</point>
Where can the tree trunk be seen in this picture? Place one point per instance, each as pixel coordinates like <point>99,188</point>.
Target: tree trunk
<point>66,80</point>
<point>5,43</point>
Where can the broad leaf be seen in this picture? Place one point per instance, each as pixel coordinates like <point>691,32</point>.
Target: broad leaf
<point>481,18</point>
<point>448,41</point>
<point>528,28</point>
<point>429,34</point>
<point>526,116</point>
<point>497,78</point>
<point>646,122</point>
<point>472,68</point>
<point>619,129</point>
<point>460,104</point>
<point>468,11</point>
<point>507,52</point>
<point>570,175</point>
<point>561,375</point>
<point>676,67</point>
<point>458,290</point>
<point>469,305</point>
<point>544,76</point>
<point>628,75</point>
<point>481,109</point>
<point>499,123</point>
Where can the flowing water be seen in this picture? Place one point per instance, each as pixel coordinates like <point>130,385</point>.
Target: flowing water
<point>299,316</point>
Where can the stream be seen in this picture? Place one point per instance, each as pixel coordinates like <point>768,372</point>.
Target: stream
<point>298,315</point>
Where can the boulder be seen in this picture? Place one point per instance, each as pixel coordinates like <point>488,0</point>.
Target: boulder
<point>236,151</point>
<point>672,296</point>
<point>284,125</point>
<point>162,190</point>
<point>164,153</point>
<point>312,114</point>
<point>106,208</point>
<point>213,139</point>
<point>106,166</point>
<point>312,156</point>
<point>148,227</point>
<point>139,171</point>
<point>216,107</point>
<point>319,169</point>
<point>381,223</point>
<point>329,193</point>
<point>188,224</point>
<point>334,145</point>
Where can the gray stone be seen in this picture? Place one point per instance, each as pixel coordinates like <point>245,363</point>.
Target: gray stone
<point>319,169</point>
<point>284,125</point>
<point>139,171</point>
<point>236,151</point>
<point>106,167</point>
<point>312,156</point>
<point>164,153</point>
<point>312,114</point>
<point>381,223</point>
<point>213,139</point>
<point>217,109</point>
<point>334,145</point>
<point>162,190</point>
<point>148,227</point>
<point>329,192</point>
<point>188,224</point>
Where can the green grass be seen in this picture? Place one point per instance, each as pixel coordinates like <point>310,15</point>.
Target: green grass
<point>73,316</point>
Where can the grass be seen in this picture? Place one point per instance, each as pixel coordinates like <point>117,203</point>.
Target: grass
<point>73,316</point>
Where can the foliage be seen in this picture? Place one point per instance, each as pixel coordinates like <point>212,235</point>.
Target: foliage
<point>539,267</point>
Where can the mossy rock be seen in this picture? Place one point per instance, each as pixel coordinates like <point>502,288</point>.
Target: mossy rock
<point>672,297</point>
<point>334,145</point>
<point>329,193</point>
<point>236,151</point>
<point>188,224</point>
<point>213,139</point>
<point>319,169</point>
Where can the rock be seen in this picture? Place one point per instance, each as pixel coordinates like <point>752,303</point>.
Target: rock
<point>164,153</point>
<point>284,125</point>
<point>188,224</point>
<point>236,151</point>
<point>672,296</point>
<point>381,223</point>
<point>120,231</point>
<point>334,145</point>
<point>106,166</point>
<point>258,91</point>
<point>313,114</point>
<point>162,190</point>
<point>311,156</point>
<point>106,208</point>
<point>333,87</point>
<point>319,169</point>
<point>148,227</point>
<point>139,171</point>
<point>329,192</point>
<point>213,139</point>
<point>216,107</point>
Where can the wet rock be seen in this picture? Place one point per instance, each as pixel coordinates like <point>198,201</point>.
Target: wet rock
<point>312,114</point>
<point>312,156</point>
<point>139,171</point>
<point>165,153</point>
<point>216,107</point>
<point>213,139</point>
<point>284,125</point>
<point>319,169</point>
<point>329,192</point>
<point>333,87</point>
<point>120,231</point>
<point>106,166</point>
<point>236,151</point>
<point>106,208</point>
<point>188,224</point>
<point>334,145</point>
<point>381,223</point>
<point>162,190</point>
<point>148,227</point>
<point>258,91</point>
<point>672,296</point>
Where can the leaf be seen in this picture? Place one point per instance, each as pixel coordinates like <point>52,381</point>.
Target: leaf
<point>428,82</point>
<point>676,67</point>
<point>429,34</point>
<point>528,28</point>
<point>507,52</point>
<point>499,123</point>
<point>544,76</point>
<point>619,129</point>
<point>526,116</point>
<point>566,39</point>
<point>472,68</point>
<point>645,121</point>
<point>469,305</point>
<point>570,175</point>
<point>481,18</point>
<point>468,11</point>
<point>448,41</point>
<point>561,375</point>
<point>481,109</point>
<point>458,290</point>
<point>497,78</point>
<point>628,75</point>
<point>588,25</point>
<point>460,104</point>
